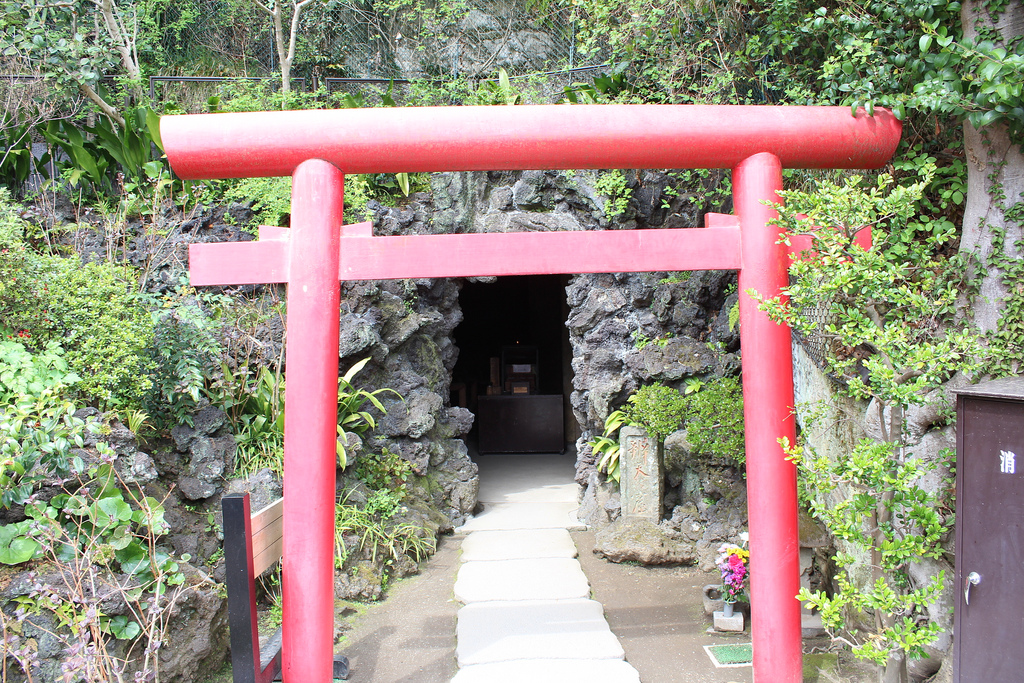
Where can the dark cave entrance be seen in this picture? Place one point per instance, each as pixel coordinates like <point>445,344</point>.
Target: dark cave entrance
<point>514,370</point>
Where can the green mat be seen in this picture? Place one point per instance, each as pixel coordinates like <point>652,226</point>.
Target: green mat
<point>740,654</point>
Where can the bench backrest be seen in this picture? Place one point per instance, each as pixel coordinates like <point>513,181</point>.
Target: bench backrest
<point>267,534</point>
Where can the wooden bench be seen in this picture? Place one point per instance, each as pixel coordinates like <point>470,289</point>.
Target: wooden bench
<point>252,545</point>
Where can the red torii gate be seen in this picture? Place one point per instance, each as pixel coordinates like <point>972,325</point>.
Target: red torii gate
<point>318,147</point>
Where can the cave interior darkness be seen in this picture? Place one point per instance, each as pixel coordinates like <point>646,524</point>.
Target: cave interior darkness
<point>512,313</point>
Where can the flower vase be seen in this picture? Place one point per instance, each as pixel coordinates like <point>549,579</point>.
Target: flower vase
<point>727,608</point>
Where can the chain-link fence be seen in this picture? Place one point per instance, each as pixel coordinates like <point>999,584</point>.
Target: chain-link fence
<point>414,52</point>
<point>354,40</point>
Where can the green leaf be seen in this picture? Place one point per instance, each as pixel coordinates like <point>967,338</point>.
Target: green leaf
<point>403,183</point>
<point>354,370</point>
<point>20,549</point>
<point>123,628</point>
<point>133,558</point>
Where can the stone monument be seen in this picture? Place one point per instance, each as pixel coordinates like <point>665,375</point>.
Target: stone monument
<point>640,474</point>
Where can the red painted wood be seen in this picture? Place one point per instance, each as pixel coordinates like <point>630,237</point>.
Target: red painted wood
<point>496,138</point>
<point>767,412</point>
<point>721,220</point>
<point>310,425</point>
<point>239,263</point>
<point>533,253</point>
<point>272,232</point>
<point>475,255</point>
<point>525,137</point>
<point>800,244</point>
<point>358,230</point>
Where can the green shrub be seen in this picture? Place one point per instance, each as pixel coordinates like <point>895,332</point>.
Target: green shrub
<point>23,373</point>
<point>38,429</point>
<point>386,471</point>
<point>185,353</point>
<point>658,409</point>
<point>93,312</point>
<point>271,198</point>
<point>20,288</point>
<point>714,420</point>
<point>614,185</point>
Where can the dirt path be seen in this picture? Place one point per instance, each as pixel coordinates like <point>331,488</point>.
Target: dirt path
<point>658,616</point>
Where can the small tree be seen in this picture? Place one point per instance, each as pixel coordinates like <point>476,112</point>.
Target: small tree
<point>888,325</point>
<point>285,55</point>
<point>77,43</point>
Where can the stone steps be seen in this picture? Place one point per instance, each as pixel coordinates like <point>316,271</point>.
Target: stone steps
<point>550,671</point>
<point>527,615</point>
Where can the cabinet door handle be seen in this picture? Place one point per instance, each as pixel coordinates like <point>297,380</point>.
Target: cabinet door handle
<point>973,579</point>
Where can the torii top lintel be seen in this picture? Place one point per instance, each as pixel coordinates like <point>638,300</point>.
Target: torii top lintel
<point>392,140</point>
<point>317,147</point>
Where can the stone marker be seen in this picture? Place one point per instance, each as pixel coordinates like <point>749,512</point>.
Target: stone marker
<point>640,478</point>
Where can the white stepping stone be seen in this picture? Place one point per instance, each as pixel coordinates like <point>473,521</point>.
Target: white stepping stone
<point>506,516</point>
<point>550,671</point>
<point>545,579</point>
<point>537,629</point>
<point>517,545</point>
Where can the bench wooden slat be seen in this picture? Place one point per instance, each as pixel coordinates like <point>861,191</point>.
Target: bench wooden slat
<point>267,536</point>
<point>267,557</point>
<point>271,514</point>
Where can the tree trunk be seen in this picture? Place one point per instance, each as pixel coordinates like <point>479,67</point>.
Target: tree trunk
<point>88,91</point>
<point>282,55</point>
<point>895,670</point>
<point>995,180</point>
<point>124,43</point>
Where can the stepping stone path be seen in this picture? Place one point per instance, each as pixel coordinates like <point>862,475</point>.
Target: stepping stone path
<point>527,613</point>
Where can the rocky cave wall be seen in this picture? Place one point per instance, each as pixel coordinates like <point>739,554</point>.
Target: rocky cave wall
<point>626,330</point>
<point>406,329</point>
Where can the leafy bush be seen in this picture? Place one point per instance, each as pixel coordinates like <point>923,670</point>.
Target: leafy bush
<point>20,287</point>
<point>657,408</point>
<point>184,353</point>
<point>386,471</point>
<point>96,153</point>
<point>38,429</point>
<point>23,373</point>
<point>711,412</point>
<point>893,336</point>
<point>255,409</point>
<point>714,420</point>
<point>271,198</point>
<point>614,186</point>
<point>16,159</point>
<point>94,313</point>
<point>93,526</point>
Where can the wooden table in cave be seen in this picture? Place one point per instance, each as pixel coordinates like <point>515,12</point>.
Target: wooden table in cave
<point>529,423</point>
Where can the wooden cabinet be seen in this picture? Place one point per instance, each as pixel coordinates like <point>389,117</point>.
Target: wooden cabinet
<point>520,424</point>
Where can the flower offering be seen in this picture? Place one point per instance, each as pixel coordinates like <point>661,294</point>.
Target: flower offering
<point>733,561</point>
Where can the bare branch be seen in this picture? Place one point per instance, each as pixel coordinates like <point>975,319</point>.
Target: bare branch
<point>87,90</point>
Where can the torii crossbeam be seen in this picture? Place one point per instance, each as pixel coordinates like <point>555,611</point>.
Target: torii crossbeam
<point>318,147</point>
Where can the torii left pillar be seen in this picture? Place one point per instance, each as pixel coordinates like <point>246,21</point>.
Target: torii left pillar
<point>311,417</point>
<point>311,146</point>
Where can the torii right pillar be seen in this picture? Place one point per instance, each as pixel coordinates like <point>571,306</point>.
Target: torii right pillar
<point>768,416</point>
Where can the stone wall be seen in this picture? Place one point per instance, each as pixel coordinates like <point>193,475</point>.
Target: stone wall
<point>831,424</point>
<point>406,330</point>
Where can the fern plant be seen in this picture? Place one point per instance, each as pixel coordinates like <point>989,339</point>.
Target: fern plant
<point>606,447</point>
